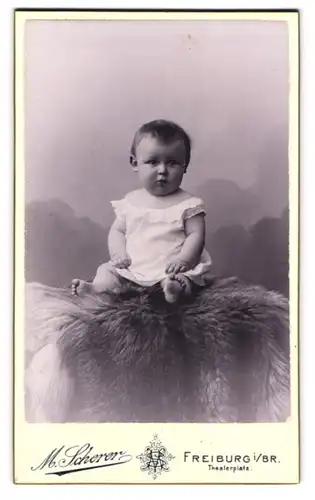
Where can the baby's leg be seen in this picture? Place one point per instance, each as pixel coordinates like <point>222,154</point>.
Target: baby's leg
<point>106,280</point>
<point>174,286</point>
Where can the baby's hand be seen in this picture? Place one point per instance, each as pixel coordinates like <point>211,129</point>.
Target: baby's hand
<point>177,266</point>
<point>121,262</point>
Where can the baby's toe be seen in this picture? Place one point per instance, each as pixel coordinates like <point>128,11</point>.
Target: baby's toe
<point>180,279</point>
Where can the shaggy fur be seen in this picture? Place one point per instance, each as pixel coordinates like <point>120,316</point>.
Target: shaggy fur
<point>220,356</point>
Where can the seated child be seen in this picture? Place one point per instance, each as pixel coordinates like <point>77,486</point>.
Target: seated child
<point>158,235</point>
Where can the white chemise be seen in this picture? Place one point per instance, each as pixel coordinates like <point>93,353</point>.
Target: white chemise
<point>154,237</point>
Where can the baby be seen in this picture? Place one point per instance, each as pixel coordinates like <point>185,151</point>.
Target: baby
<point>158,235</point>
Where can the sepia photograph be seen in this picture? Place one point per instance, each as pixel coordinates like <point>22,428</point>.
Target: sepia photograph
<point>156,224</point>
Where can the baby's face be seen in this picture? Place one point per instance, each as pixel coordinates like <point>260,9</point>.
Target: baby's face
<point>160,166</point>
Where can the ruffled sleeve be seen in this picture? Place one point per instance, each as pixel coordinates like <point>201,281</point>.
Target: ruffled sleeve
<point>119,207</point>
<point>194,206</point>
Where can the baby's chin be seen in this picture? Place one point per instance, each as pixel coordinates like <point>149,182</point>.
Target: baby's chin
<point>163,190</point>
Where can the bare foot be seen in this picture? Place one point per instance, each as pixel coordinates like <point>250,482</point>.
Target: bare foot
<point>79,287</point>
<point>174,286</point>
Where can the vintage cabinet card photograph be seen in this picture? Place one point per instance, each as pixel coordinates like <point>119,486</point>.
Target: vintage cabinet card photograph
<point>156,247</point>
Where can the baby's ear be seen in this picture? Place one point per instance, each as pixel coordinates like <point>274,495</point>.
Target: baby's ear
<point>133,162</point>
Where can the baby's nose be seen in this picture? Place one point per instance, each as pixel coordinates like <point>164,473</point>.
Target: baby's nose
<point>162,168</point>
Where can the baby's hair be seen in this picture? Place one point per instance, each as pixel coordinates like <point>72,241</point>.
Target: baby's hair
<point>166,132</point>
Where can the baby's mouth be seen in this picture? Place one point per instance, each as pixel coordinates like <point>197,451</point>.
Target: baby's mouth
<point>162,181</point>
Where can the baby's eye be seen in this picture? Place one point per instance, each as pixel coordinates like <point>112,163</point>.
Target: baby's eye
<point>152,162</point>
<point>172,163</point>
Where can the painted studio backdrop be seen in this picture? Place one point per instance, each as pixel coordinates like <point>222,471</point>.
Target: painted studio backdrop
<point>90,85</point>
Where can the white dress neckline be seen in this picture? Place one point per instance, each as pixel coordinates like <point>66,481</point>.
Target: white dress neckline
<point>175,206</point>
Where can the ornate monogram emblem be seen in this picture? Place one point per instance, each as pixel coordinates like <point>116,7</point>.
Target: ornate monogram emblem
<point>155,458</point>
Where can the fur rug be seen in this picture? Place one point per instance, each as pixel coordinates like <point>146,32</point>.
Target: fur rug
<point>220,356</point>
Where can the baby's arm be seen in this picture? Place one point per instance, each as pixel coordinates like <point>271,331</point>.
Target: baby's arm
<point>117,244</point>
<point>193,245</point>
